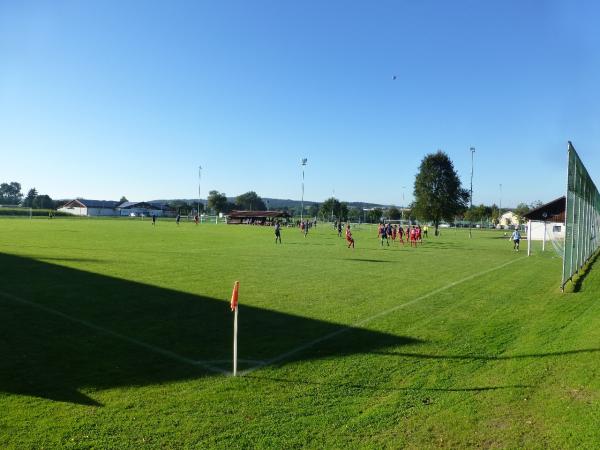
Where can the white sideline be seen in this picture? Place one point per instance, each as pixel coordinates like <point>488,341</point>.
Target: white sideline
<point>161,351</point>
<point>371,318</point>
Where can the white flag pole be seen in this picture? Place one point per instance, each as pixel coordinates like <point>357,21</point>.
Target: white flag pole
<point>235,329</point>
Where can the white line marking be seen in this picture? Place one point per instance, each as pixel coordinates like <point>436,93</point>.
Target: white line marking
<point>161,351</point>
<point>371,318</point>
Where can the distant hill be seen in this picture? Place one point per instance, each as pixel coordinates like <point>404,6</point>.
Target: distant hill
<point>275,203</point>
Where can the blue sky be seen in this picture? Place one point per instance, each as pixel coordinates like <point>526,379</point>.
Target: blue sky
<point>103,99</point>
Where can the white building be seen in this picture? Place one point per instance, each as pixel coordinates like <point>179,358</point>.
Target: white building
<point>139,209</point>
<point>83,207</point>
<point>508,220</point>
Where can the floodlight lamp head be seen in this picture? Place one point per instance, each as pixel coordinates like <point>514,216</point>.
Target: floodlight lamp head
<point>304,161</point>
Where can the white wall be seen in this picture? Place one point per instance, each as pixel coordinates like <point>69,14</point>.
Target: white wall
<point>537,231</point>
<point>73,210</point>
<point>138,211</point>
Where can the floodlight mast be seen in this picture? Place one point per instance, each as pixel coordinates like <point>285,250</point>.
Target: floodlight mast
<point>199,182</point>
<point>471,195</point>
<point>303,164</point>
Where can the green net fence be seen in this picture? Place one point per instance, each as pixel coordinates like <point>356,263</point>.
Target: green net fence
<point>582,217</point>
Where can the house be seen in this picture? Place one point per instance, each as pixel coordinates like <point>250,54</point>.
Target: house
<point>138,209</point>
<point>548,218</point>
<point>84,207</point>
<point>508,220</point>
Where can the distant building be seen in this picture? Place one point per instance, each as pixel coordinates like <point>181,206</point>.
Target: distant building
<point>257,217</point>
<point>508,220</point>
<point>83,207</point>
<point>138,209</point>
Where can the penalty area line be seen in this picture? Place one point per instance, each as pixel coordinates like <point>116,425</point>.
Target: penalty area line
<point>130,340</point>
<point>366,320</point>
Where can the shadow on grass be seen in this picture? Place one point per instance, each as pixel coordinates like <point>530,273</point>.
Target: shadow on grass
<point>358,386</point>
<point>64,331</point>
<point>487,357</point>
<point>585,272</point>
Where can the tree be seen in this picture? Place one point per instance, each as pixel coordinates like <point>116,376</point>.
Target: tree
<point>537,204</point>
<point>250,201</point>
<point>332,206</point>
<point>329,207</point>
<point>43,201</point>
<point>10,193</point>
<point>123,199</point>
<point>313,210</point>
<point>520,211</point>
<point>438,192</point>
<point>393,213</point>
<point>354,214</point>
<point>31,195</point>
<point>217,201</point>
<point>375,215</point>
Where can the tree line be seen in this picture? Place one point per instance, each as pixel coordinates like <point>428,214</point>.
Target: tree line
<point>439,196</point>
<point>10,194</point>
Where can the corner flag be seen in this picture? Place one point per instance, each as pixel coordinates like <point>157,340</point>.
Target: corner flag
<point>234,296</point>
<point>234,308</point>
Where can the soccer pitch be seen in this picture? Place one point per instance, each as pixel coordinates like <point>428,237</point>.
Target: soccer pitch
<point>118,334</point>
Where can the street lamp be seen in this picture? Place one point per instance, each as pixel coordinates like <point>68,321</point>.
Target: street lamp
<point>303,164</point>
<point>471,196</point>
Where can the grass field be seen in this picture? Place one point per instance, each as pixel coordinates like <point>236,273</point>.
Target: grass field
<point>117,334</point>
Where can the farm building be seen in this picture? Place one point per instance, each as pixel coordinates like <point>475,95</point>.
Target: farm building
<point>257,217</point>
<point>83,207</point>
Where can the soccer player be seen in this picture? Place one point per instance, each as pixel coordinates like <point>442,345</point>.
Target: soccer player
<point>383,234</point>
<point>339,228</point>
<point>413,236</point>
<point>177,219</point>
<point>516,238</point>
<point>349,237</point>
<point>277,232</point>
<point>153,219</point>
<point>196,218</point>
<point>401,234</point>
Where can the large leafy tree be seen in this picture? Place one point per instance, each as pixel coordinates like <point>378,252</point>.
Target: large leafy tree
<point>250,201</point>
<point>10,193</point>
<point>217,201</point>
<point>394,213</point>
<point>31,195</point>
<point>43,201</point>
<point>334,207</point>
<point>438,192</point>
<point>313,210</point>
<point>375,215</point>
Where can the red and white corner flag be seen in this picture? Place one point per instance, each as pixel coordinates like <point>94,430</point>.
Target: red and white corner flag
<point>234,296</point>
<point>234,308</point>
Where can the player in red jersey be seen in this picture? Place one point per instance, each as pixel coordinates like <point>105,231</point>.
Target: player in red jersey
<point>413,236</point>
<point>349,237</point>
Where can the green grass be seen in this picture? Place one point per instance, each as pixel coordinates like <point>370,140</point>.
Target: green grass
<point>469,344</point>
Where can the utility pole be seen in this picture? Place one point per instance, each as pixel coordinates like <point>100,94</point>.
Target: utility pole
<point>471,196</point>
<point>500,210</point>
